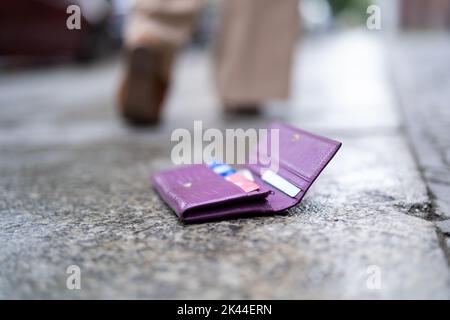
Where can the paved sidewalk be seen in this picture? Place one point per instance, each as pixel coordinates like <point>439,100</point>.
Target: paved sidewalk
<point>420,70</point>
<point>74,190</point>
<point>421,67</point>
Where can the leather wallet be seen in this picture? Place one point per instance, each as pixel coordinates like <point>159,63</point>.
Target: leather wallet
<point>196,193</point>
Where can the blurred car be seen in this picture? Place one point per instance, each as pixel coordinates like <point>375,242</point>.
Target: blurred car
<point>37,28</point>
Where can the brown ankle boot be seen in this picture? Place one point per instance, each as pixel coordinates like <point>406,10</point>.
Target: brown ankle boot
<point>145,84</point>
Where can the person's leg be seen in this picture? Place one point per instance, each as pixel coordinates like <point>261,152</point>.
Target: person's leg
<point>255,50</point>
<point>155,31</point>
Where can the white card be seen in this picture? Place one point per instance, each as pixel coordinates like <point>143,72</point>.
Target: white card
<point>280,183</point>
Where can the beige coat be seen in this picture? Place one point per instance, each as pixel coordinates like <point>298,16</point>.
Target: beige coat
<point>254,47</point>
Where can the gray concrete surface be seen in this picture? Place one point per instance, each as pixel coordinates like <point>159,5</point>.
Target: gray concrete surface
<point>75,190</point>
<point>420,70</point>
<point>420,64</point>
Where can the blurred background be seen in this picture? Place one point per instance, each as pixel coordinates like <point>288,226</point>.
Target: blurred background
<point>40,56</point>
<point>31,29</point>
<point>74,179</point>
<point>33,35</point>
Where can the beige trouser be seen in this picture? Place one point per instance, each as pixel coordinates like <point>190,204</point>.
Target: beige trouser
<point>255,42</point>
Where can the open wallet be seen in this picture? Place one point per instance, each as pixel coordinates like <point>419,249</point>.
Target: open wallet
<point>201,192</point>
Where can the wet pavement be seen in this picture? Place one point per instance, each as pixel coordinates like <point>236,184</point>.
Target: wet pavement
<point>75,191</point>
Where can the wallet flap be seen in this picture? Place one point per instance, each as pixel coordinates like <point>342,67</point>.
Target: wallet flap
<point>192,188</point>
<point>301,157</point>
<point>299,152</point>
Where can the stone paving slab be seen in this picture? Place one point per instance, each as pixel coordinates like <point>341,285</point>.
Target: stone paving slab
<point>75,191</point>
<point>420,68</point>
<point>420,64</point>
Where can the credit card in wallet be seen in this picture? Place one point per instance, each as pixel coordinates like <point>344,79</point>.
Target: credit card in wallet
<point>222,169</point>
<point>242,182</point>
<point>246,173</point>
<point>280,183</point>
<point>240,178</point>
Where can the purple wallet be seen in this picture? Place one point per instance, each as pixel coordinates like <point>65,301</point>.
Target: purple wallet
<point>196,193</point>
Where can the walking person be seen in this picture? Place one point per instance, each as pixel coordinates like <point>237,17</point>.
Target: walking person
<point>255,47</point>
